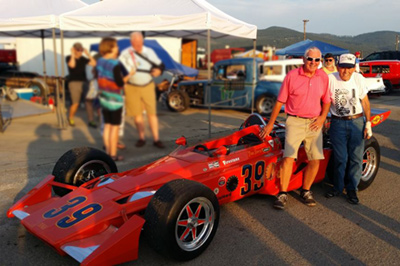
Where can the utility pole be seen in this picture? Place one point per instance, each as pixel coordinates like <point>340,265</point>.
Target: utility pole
<point>305,21</point>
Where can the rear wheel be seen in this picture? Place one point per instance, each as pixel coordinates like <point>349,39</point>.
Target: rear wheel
<point>181,219</point>
<point>265,104</point>
<point>370,164</point>
<point>80,165</point>
<point>178,101</point>
<point>371,161</point>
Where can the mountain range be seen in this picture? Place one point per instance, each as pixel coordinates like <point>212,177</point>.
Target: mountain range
<point>280,37</point>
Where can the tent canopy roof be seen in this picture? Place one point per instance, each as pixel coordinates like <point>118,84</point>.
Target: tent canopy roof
<point>177,18</point>
<point>298,49</point>
<point>26,15</point>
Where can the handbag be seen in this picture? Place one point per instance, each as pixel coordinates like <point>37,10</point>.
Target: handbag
<point>111,101</point>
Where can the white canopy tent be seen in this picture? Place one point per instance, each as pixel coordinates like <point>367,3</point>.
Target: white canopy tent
<point>36,18</point>
<point>28,17</point>
<point>178,18</point>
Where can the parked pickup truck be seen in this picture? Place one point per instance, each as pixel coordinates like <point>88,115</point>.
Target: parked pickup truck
<point>231,87</point>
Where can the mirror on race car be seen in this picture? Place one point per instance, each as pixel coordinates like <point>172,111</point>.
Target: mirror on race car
<point>181,141</point>
<point>223,150</point>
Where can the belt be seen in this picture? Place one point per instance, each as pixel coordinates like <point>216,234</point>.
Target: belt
<point>349,117</point>
<point>299,116</point>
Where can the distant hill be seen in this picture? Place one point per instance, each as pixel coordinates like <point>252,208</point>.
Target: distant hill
<point>280,37</point>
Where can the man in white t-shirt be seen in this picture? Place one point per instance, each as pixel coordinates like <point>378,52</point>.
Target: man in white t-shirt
<point>348,128</point>
<point>140,91</point>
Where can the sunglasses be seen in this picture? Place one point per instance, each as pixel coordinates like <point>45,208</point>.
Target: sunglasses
<point>310,59</point>
<point>328,60</point>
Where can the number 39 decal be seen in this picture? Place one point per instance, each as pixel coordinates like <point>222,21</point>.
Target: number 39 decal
<point>252,178</point>
<point>75,217</point>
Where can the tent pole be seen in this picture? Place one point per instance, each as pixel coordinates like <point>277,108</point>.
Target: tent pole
<point>43,55</point>
<point>62,91</point>
<point>209,80</point>
<point>59,117</point>
<point>253,85</point>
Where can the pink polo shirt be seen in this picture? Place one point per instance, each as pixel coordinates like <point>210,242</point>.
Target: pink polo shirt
<point>302,95</point>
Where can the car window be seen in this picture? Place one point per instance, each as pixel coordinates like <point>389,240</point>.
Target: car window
<point>364,69</point>
<point>381,69</point>
<point>232,72</point>
<point>272,70</point>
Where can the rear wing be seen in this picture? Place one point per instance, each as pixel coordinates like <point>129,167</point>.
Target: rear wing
<point>378,116</point>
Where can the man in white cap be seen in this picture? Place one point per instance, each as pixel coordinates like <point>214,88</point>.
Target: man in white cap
<point>348,127</point>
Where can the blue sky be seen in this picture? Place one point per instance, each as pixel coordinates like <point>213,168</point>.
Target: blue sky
<point>339,17</point>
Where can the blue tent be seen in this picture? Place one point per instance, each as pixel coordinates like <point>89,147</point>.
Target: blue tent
<point>298,49</point>
<point>170,64</point>
<point>284,51</point>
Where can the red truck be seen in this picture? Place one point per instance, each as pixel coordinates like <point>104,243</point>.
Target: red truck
<point>222,54</point>
<point>389,70</point>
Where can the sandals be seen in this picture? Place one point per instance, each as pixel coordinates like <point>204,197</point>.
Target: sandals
<point>117,158</point>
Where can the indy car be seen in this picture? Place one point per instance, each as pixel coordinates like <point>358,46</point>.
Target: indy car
<point>90,211</point>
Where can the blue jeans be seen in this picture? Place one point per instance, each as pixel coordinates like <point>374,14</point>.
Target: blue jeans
<point>347,138</point>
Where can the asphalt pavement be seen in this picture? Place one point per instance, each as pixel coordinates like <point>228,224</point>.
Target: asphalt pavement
<point>250,232</point>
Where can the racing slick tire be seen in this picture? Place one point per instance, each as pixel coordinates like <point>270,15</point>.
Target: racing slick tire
<point>181,219</point>
<point>370,164</point>
<point>79,165</point>
<point>265,104</point>
<point>371,161</point>
<point>178,101</point>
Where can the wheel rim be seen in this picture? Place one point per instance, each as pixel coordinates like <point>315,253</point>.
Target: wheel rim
<point>369,164</point>
<point>195,224</point>
<point>37,91</point>
<point>266,105</point>
<point>90,170</point>
<point>176,102</point>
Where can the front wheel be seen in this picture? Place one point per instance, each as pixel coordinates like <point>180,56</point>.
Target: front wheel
<point>388,86</point>
<point>181,219</point>
<point>178,101</point>
<point>265,104</point>
<point>371,161</point>
<point>80,165</point>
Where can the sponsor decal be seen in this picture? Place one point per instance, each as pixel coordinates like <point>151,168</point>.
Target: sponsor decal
<point>205,169</point>
<point>231,161</point>
<point>216,191</point>
<point>266,149</point>
<point>376,120</point>
<point>213,165</point>
<point>224,196</point>
<point>222,181</point>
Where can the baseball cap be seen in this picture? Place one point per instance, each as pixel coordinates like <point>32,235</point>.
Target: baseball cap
<point>347,60</point>
<point>78,46</point>
<point>357,53</point>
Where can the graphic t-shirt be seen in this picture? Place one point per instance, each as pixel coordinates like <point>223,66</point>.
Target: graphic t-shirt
<point>346,96</point>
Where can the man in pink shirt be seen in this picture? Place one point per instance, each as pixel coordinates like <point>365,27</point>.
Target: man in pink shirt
<point>303,90</point>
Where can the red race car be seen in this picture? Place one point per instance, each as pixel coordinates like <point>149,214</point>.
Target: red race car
<point>88,210</point>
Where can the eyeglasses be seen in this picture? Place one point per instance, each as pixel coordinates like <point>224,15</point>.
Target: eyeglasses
<point>310,59</point>
<point>329,60</point>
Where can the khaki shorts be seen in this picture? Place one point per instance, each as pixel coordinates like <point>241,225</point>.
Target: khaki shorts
<point>76,89</point>
<point>139,98</point>
<point>297,131</point>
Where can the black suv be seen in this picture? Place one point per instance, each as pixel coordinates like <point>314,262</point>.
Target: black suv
<point>385,55</point>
